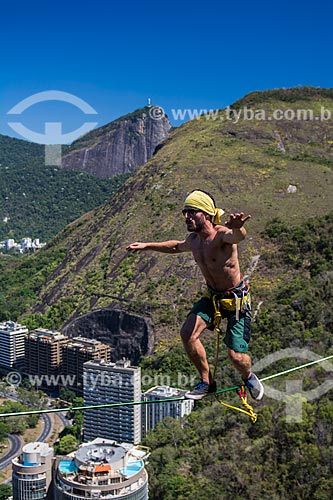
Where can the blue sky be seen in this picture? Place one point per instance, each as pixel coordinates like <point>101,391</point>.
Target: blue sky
<point>180,54</point>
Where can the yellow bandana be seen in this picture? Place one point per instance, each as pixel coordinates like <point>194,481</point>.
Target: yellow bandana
<point>201,201</point>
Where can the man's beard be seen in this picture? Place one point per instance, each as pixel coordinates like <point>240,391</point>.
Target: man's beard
<point>195,227</point>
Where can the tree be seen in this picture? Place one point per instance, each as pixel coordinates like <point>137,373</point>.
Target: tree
<point>67,394</point>
<point>4,430</point>
<point>67,444</point>
<point>5,491</point>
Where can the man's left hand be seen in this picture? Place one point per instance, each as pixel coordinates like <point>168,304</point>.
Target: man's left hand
<point>237,220</point>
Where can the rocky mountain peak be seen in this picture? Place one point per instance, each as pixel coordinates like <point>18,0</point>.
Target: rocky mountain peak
<point>120,146</point>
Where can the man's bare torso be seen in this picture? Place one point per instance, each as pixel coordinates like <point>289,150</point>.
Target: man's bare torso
<point>217,260</point>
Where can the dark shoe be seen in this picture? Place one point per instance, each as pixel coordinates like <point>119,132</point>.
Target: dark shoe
<point>201,390</point>
<point>255,387</point>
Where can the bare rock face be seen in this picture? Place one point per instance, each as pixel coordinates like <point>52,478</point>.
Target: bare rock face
<point>119,147</point>
<point>129,335</point>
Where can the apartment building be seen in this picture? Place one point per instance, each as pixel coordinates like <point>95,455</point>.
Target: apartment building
<point>152,414</point>
<point>106,382</point>
<point>76,352</point>
<point>51,353</point>
<point>32,472</point>
<point>12,345</point>
<point>102,468</point>
<point>43,352</point>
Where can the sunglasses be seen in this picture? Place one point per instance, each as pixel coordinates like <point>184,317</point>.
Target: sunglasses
<point>190,211</point>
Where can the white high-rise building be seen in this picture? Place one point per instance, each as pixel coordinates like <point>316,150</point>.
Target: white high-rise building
<point>106,382</point>
<point>152,414</point>
<point>32,472</point>
<point>10,243</point>
<point>26,243</point>
<point>12,337</point>
<point>102,469</point>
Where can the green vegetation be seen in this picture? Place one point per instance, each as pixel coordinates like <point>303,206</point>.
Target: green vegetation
<point>241,163</point>
<point>67,444</point>
<point>28,397</point>
<point>71,435</point>
<point>304,247</point>
<point>17,424</point>
<point>217,454</point>
<point>39,201</point>
<point>4,430</point>
<point>22,279</point>
<point>290,95</point>
<point>67,395</point>
<point>17,152</point>
<point>5,491</point>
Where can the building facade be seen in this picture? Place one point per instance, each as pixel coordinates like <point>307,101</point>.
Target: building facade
<point>32,472</point>
<point>112,383</point>
<point>12,351</point>
<point>102,469</point>
<point>152,414</point>
<point>76,352</point>
<point>51,354</point>
<point>43,352</point>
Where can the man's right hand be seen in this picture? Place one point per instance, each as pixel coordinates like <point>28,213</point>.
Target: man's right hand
<point>135,247</point>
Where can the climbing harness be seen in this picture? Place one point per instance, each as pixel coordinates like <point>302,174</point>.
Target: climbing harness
<point>233,299</point>
<point>241,298</point>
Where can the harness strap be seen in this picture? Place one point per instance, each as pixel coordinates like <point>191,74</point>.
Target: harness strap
<point>216,322</point>
<point>237,305</point>
<point>248,408</point>
<point>217,314</point>
<point>250,411</point>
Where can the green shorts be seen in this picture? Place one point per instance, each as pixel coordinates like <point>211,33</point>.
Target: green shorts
<point>238,333</point>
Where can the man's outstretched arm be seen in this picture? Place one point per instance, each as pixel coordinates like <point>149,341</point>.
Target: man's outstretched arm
<point>237,231</point>
<point>171,246</point>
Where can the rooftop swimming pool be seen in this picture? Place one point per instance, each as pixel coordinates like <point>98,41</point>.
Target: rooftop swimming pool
<point>132,468</point>
<point>67,466</point>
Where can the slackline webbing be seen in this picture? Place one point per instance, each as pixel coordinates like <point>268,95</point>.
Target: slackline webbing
<point>133,403</point>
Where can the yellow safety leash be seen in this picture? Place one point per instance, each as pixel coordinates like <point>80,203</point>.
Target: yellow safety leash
<point>249,410</point>
<point>242,394</point>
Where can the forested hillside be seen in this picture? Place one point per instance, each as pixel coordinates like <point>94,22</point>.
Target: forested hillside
<point>247,165</point>
<point>37,200</point>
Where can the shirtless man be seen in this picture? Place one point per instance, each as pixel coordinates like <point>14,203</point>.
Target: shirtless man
<point>214,248</point>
